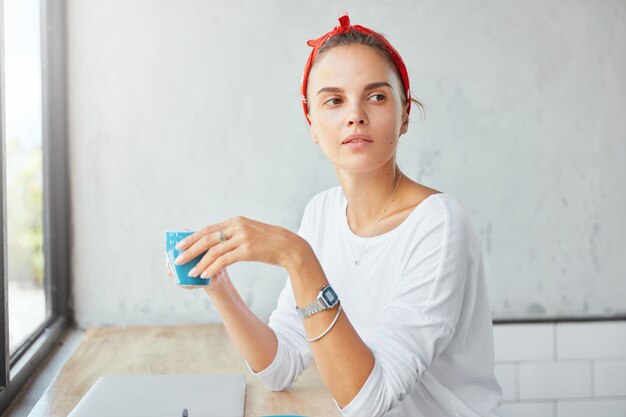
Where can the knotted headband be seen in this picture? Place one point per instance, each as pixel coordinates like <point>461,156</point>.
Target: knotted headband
<point>344,26</point>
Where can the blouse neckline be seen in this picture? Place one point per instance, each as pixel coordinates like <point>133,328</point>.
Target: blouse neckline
<point>387,234</point>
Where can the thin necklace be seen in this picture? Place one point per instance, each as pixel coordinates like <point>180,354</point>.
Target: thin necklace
<point>358,260</point>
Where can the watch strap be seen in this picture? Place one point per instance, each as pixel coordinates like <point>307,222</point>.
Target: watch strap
<point>320,304</point>
<point>313,308</point>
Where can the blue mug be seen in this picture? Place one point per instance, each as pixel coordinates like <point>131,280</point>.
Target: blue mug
<point>181,272</point>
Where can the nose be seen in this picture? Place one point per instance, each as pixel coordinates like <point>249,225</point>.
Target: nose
<point>356,115</point>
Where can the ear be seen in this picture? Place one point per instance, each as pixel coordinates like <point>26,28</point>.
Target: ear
<point>313,134</point>
<point>405,123</point>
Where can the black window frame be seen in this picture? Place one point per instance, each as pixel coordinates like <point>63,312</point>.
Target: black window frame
<point>19,366</point>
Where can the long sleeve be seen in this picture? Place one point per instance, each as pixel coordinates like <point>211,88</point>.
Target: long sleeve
<point>293,354</point>
<point>420,319</point>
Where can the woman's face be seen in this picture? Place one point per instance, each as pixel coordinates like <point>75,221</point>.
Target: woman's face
<point>354,89</point>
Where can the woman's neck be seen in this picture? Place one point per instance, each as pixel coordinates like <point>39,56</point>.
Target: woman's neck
<point>369,193</point>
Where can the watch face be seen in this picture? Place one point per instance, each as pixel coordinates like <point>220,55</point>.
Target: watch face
<point>329,296</point>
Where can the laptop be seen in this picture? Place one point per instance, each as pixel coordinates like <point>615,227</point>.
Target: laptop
<point>204,395</point>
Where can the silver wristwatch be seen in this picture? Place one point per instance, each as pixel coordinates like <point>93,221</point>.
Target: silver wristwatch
<point>327,298</point>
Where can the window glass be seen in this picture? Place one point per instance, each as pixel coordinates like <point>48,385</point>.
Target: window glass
<point>24,168</point>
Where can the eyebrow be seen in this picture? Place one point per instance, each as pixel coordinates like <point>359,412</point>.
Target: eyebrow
<point>367,87</point>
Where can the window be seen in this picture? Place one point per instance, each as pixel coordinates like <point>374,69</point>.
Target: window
<point>33,183</point>
<point>24,169</point>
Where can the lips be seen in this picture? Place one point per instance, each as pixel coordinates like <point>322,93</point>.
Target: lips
<point>357,137</point>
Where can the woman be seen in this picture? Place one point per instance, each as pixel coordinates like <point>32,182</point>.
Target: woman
<point>386,288</point>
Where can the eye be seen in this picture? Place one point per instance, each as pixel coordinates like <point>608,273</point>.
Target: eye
<point>381,97</point>
<point>332,100</point>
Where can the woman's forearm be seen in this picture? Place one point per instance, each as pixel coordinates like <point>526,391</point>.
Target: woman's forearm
<point>342,358</point>
<point>254,340</point>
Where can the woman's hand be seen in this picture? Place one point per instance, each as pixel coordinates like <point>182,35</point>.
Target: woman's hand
<point>246,240</point>
<point>170,273</point>
<point>217,280</point>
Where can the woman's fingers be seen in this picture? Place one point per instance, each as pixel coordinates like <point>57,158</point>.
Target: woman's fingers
<point>212,254</point>
<point>170,274</point>
<point>246,240</point>
<point>200,246</point>
<point>195,237</point>
<point>223,261</point>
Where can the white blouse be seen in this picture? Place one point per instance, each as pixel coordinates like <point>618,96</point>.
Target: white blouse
<point>418,299</point>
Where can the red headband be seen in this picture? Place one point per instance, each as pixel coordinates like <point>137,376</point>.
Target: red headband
<point>344,26</point>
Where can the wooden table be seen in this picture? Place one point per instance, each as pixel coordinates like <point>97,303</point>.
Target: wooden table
<point>193,349</point>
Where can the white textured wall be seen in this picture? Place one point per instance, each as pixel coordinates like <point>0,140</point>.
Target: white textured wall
<point>184,113</point>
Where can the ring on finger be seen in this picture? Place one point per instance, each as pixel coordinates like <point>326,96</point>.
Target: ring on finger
<point>222,236</point>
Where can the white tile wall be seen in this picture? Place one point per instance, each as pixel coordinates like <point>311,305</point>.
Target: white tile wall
<point>610,378</point>
<point>592,408</point>
<point>533,409</point>
<point>524,342</point>
<point>599,340</point>
<point>543,381</point>
<point>562,369</point>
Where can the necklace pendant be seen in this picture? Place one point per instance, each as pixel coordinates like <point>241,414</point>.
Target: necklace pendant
<point>356,262</point>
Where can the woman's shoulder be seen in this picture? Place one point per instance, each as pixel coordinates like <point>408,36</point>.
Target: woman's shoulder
<point>447,205</point>
<point>427,209</point>
<point>432,202</point>
<point>444,219</point>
